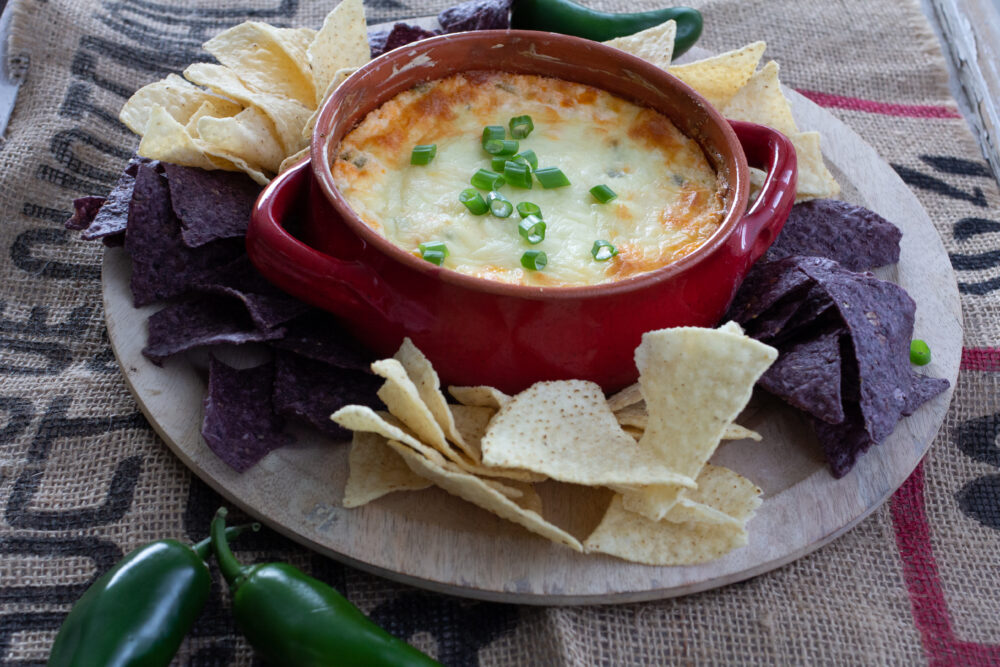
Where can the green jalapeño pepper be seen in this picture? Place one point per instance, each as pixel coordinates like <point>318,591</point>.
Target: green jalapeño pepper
<point>569,18</point>
<point>138,612</point>
<point>296,621</point>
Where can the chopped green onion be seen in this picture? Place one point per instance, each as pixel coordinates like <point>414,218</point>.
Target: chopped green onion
<point>551,177</point>
<point>500,206</point>
<point>517,174</point>
<point>521,126</point>
<point>491,132</point>
<point>920,352</point>
<point>484,179</point>
<point>497,162</point>
<point>534,260</point>
<point>527,157</point>
<point>473,201</point>
<point>433,251</point>
<point>532,229</point>
<point>503,147</point>
<point>603,250</point>
<point>526,208</point>
<point>603,193</point>
<point>423,154</point>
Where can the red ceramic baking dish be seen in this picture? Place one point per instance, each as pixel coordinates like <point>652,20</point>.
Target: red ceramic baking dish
<point>478,331</point>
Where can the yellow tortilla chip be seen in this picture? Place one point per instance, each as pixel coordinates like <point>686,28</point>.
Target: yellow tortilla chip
<point>478,492</point>
<point>342,42</point>
<point>428,385</point>
<point>737,432</point>
<point>375,469</point>
<point>288,116</point>
<point>166,139</point>
<point>248,135</point>
<point>268,59</point>
<point>695,382</point>
<point>654,45</point>
<point>718,78</point>
<point>566,431</point>
<point>761,101</point>
<point>481,396</point>
<point>174,95</point>
<point>210,109</point>
<point>404,402</point>
<point>727,491</point>
<point>636,417</point>
<point>633,537</point>
<point>292,160</point>
<point>362,418</point>
<point>630,395</point>
<point>814,179</point>
<point>338,78</point>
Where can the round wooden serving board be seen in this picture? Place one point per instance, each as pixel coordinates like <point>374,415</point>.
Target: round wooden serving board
<point>440,542</point>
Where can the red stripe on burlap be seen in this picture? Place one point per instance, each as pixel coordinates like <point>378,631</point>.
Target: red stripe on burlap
<point>981,359</point>
<point>927,601</point>
<point>871,106</point>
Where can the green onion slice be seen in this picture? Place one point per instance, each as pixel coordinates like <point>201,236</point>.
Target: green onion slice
<point>517,174</point>
<point>920,352</point>
<point>484,179</point>
<point>473,201</point>
<point>434,256</point>
<point>551,177</point>
<point>534,260</point>
<point>502,147</point>
<point>520,126</point>
<point>423,154</point>
<point>492,132</point>
<point>603,250</point>
<point>500,206</point>
<point>497,162</point>
<point>603,193</point>
<point>526,208</point>
<point>527,157</point>
<point>532,229</point>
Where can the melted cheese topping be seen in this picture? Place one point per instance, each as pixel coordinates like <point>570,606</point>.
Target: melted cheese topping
<point>669,198</point>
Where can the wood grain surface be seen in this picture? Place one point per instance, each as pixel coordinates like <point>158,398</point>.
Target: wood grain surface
<point>437,541</point>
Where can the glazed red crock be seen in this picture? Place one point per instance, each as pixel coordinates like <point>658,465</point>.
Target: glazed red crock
<point>477,331</point>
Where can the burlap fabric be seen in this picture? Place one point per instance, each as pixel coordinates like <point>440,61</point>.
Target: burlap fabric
<point>83,478</point>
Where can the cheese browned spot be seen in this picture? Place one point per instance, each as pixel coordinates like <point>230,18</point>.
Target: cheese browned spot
<point>670,200</point>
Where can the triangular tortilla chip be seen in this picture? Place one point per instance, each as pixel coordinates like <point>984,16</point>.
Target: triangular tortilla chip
<point>480,396</point>
<point>342,42</point>
<point>248,135</point>
<point>761,101</point>
<point>375,469</point>
<point>654,45</point>
<point>477,492</point>
<point>718,78</point>
<point>814,179</point>
<point>338,78</point>
<point>565,430</point>
<point>166,139</point>
<point>268,59</point>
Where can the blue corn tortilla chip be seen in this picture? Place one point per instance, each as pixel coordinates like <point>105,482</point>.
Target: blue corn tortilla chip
<point>476,15</point>
<point>163,266</point>
<point>84,210</point>
<point>855,237</point>
<point>309,391</point>
<point>210,205</point>
<point>267,305</point>
<point>198,322</point>
<point>109,221</point>
<point>240,423</point>
<point>807,376</point>
<point>804,306</point>
<point>401,34</point>
<point>319,336</point>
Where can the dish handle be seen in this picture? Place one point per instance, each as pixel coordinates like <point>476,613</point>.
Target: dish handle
<point>773,152</point>
<point>295,267</point>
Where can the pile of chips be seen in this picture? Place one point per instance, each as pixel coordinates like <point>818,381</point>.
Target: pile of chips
<point>843,336</point>
<point>254,110</point>
<point>732,83</point>
<point>668,505</point>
